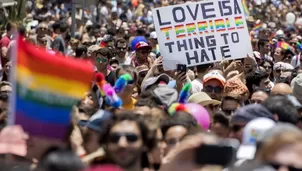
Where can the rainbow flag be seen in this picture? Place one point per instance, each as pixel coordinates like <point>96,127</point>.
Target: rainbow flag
<point>257,27</point>
<point>285,46</point>
<point>245,8</point>
<point>45,87</point>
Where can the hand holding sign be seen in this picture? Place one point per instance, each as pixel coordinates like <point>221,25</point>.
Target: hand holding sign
<point>201,32</point>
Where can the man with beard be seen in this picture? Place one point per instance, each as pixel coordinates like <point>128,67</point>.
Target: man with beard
<point>264,49</point>
<point>128,141</point>
<point>121,52</point>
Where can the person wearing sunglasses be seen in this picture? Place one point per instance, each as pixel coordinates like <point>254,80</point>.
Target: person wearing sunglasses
<point>121,52</point>
<point>230,104</point>
<point>128,141</point>
<point>213,83</point>
<point>126,95</point>
<point>101,62</point>
<point>42,33</point>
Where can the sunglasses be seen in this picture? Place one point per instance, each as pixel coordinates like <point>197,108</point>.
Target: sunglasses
<point>115,137</point>
<point>101,60</point>
<point>217,89</point>
<point>121,49</point>
<point>267,67</point>
<point>290,168</point>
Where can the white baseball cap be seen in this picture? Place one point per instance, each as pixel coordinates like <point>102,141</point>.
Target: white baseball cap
<point>214,75</point>
<point>252,133</point>
<point>153,35</point>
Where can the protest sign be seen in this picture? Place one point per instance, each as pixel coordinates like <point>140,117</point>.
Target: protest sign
<point>202,32</point>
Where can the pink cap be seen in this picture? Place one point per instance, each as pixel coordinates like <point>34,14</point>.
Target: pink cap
<point>13,140</point>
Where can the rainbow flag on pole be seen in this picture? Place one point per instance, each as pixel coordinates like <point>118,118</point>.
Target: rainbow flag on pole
<point>257,27</point>
<point>45,87</point>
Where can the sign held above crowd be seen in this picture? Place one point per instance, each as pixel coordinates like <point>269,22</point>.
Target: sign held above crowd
<point>202,32</point>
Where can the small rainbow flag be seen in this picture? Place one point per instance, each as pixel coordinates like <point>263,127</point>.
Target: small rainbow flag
<point>257,27</point>
<point>285,46</point>
<point>245,8</point>
<point>45,87</point>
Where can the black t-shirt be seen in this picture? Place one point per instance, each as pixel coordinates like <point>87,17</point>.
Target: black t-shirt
<point>111,78</point>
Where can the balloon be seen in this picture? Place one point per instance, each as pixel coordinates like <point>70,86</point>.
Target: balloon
<point>106,167</point>
<point>200,114</point>
<point>290,18</point>
<point>136,40</point>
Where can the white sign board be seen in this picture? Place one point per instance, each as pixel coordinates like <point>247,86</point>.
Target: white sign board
<point>202,32</point>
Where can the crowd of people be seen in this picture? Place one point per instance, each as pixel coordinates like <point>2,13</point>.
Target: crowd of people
<point>256,100</point>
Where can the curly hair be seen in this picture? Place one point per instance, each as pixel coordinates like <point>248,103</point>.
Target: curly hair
<point>106,52</point>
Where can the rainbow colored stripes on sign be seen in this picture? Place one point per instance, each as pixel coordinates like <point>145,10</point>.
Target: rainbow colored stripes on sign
<point>191,28</point>
<point>45,89</point>
<point>166,31</point>
<point>202,26</point>
<point>220,25</point>
<point>180,31</point>
<point>239,22</point>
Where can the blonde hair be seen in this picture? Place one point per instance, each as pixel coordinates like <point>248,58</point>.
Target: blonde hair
<point>274,143</point>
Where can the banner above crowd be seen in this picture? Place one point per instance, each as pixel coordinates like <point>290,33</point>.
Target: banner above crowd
<point>202,32</point>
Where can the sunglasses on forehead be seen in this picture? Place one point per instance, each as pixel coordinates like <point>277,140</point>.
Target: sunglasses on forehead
<point>130,137</point>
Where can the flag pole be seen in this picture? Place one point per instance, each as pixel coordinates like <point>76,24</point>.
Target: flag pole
<point>73,19</point>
